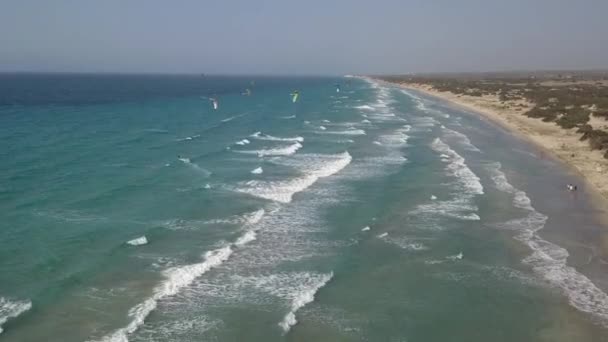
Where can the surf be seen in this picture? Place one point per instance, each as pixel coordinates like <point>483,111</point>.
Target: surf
<point>277,151</point>
<point>284,190</point>
<point>260,136</point>
<point>548,259</point>
<point>12,309</point>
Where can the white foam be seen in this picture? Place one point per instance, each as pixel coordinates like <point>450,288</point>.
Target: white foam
<point>455,257</point>
<point>244,219</point>
<point>347,132</point>
<point>463,139</point>
<point>190,137</point>
<point>377,143</point>
<point>323,128</point>
<point>433,197</point>
<point>365,229</point>
<point>382,235</point>
<point>458,168</point>
<point>245,238</point>
<point>176,278</point>
<point>257,171</point>
<point>243,142</point>
<point>365,121</point>
<point>142,240</point>
<point>365,107</point>
<point>397,138</point>
<point>11,309</point>
<point>282,191</point>
<point>406,243</point>
<point>184,160</point>
<point>260,136</point>
<point>302,298</point>
<point>297,289</point>
<point>548,259</point>
<point>254,217</point>
<point>288,117</point>
<point>424,122</point>
<point>466,186</point>
<point>326,121</point>
<point>277,151</point>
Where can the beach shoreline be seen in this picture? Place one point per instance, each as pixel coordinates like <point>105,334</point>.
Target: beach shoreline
<point>549,139</point>
<point>562,144</point>
<point>552,140</point>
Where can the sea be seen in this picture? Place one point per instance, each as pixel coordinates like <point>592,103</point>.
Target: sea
<point>132,210</point>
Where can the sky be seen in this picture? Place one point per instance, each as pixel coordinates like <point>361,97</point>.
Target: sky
<point>302,37</point>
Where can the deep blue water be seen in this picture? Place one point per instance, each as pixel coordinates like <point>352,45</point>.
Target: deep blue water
<point>369,214</point>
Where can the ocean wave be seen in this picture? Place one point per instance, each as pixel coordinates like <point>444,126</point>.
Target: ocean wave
<point>282,191</point>
<point>142,240</point>
<point>397,138</point>
<point>462,139</point>
<point>277,151</point>
<point>299,289</point>
<point>365,107</point>
<point>244,219</point>
<point>302,298</point>
<point>189,138</point>
<point>233,117</point>
<point>11,309</point>
<point>424,122</point>
<point>548,259</point>
<point>243,142</point>
<point>246,238</point>
<point>458,168</point>
<point>467,185</point>
<point>249,218</point>
<point>179,277</point>
<point>176,278</point>
<point>260,136</point>
<point>407,243</point>
<point>345,132</point>
<point>257,171</point>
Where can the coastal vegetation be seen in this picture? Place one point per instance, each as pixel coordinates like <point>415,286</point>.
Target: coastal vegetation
<point>576,100</point>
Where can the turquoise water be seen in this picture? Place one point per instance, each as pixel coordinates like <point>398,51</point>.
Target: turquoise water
<point>369,214</point>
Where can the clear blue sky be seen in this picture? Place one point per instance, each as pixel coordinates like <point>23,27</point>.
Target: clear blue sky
<point>302,37</point>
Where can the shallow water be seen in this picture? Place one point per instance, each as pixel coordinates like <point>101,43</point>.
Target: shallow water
<point>256,216</point>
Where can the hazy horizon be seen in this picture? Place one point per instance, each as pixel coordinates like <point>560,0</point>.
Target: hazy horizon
<point>313,38</point>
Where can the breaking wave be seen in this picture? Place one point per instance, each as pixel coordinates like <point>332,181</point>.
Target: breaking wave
<point>11,309</point>
<point>283,191</point>
<point>260,136</point>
